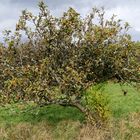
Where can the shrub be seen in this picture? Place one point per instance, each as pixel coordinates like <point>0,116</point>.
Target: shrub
<point>98,103</point>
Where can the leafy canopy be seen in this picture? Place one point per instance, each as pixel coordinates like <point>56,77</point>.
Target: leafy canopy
<point>63,56</point>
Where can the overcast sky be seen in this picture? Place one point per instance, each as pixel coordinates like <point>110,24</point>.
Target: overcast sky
<point>127,10</point>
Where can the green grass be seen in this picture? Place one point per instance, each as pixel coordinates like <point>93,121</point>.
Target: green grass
<point>119,104</point>
<point>52,114</point>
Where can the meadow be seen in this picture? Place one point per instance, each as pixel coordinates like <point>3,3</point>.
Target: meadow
<point>29,122</point>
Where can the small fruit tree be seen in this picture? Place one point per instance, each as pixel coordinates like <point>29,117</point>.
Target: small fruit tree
<point>62,57</point>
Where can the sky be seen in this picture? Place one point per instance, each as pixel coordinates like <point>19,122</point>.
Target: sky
<point>127,10</point>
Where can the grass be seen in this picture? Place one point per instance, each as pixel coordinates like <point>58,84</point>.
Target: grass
<point>24,113</point>
<point>121,105</point>
<point>125,129</point>
<point>25,121</point>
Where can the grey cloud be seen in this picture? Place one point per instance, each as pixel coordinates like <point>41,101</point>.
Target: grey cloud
<point>135,34</point>
<point>128,10</point>
<point>23,2</point>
